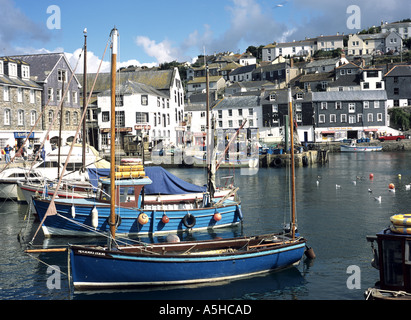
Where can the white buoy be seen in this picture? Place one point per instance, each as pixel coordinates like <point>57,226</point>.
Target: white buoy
<point>73,211</point>
<point>94,218</point>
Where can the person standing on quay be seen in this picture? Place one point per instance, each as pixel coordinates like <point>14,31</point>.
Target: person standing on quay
<point>7,150</point>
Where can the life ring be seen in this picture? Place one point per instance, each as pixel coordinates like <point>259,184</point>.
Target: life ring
<point>117,221</point>
<point>401,220</point>
<point>401,230</point>
<point>278,162</point>
<point>189,220</point>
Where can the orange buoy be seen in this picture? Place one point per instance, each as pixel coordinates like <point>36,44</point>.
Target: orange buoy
<point>391,186</point>
<point>165,219</point>
<point>217,216</point>
<point>371,176</point>
<point>143,218</point>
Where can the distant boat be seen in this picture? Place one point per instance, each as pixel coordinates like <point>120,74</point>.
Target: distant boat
<point>392,258</point>
<point>11,176</point>
<point>353,147</point>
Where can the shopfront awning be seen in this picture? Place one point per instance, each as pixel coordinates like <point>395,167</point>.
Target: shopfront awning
<point>327,132</point>
<point>371,130</point>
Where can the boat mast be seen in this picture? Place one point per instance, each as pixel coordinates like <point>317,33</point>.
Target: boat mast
<point>290,110</point>
<point>84,101</point>
<point>114,42</point>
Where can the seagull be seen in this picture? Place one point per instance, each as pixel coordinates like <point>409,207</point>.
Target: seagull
<point>369,190</point>
<point>407,186</point>
<point>392,190</point>
<point>378,199</point>
<point>318,183</point>
<point>337,186</point>
<point>354,182</point>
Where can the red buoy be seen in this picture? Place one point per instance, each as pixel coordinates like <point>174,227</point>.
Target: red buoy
<point>165,219</point>
<point>217,217</point>
<point>391,186</point>
<point>371,176</point>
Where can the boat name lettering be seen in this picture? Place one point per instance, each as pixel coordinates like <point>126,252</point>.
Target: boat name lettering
<point>91,252</point>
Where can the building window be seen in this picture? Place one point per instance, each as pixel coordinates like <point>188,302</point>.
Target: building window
<point>370,117</point>
<point>396,91</point>
<point>299,96</point>
<point>119,101</point>
<point>338,105</point>
<point>105,116</point>
<point>240,112</point>
<point>7,114</point>
<point>366,85</point>
<point>58,95</point>
<point>144,100</point>
<point>220,114</point>
<point>359,117</point>
<point>250,111</point>
<point>141,117</point>
<point>50,116</point>
<point>230,123</point>
<point>351,107</point>
<point>323,105</point>
<point>376,104</point>
<point>33,117</point>
<point>12,70</point>
<point>299,116</point>
<point>298,107</point>
<point>351,118</point>
<point>272,97</point>
<point>379,117</point>
<point>25,72</point>
<point>20,117</point>
<point>366,104</point>
<point>74,97</point>
<point>6,93</point>
<point>321,118</point>
<point>62,75</point>
<point>75,118</point>
<point>32,96</point>
<point>220,124</point>
<point>343,118</point>
<point>230,112</point>
<point>19,95</point>
<point>50,96</point>
<point>67,118</point>
<point>333,118</point>
<point>378,85</point>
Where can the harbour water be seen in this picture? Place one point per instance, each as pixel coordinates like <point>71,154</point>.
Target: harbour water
<point>335,215</point>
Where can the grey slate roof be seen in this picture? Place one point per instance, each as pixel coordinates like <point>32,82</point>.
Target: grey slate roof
<point>159,79</point>
<point>399,71</point>
<point>131,87</point>
<point>243,69</point>
<point>16,81</point>
<point>350,95</point>
<point>238,102</point>
<point>42,65</point>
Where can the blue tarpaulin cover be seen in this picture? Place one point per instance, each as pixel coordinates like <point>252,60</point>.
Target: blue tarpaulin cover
<point>163,181</point>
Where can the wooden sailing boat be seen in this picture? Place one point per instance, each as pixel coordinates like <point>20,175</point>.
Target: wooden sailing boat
<point>177,262</point>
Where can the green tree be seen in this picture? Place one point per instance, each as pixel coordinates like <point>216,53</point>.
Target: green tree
<point>400,119</point>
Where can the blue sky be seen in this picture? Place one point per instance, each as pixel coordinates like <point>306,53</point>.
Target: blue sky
<point>157,31</point>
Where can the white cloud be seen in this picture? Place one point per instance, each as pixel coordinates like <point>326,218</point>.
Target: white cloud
<point>162,51</point>
<point>93,62</point>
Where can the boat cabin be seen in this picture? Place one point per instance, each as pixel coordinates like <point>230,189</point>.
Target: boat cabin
<point>393,260</point>
<point>128,191</point>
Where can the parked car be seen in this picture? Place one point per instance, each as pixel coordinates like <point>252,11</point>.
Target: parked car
<point>391,137</point>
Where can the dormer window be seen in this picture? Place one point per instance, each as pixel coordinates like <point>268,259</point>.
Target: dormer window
<point>25,72</point>
<point>272,97</point>
<point>12,69</point>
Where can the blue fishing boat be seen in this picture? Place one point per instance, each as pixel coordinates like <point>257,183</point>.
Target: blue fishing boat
<point>90,216</point>
<point>174,262</point>
<point>182,262</point>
